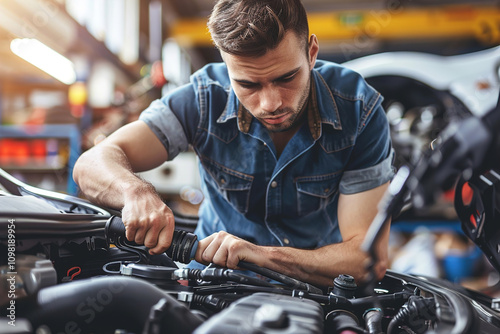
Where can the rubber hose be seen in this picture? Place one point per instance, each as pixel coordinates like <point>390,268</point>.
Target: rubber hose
<point>373,321</point>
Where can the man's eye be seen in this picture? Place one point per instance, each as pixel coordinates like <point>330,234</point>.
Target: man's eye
<point>287,79</point>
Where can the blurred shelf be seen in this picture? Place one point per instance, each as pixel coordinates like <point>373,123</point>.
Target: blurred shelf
<point>70,133</point>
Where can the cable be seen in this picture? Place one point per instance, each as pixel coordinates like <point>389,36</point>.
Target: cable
<point>223,274</point>
<point>78,272</point>
<point>244,279</point>
<point>287,280</point>
<point>106,265</point>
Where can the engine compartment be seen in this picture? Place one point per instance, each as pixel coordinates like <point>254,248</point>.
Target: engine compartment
<point>69,279</point>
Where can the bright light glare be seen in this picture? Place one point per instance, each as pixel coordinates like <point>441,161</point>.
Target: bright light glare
<point>46,59</point>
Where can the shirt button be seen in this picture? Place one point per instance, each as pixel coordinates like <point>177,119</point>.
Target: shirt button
<point>327,190</point>
<point>274,184</point>
<point>286,241</point>
<point>222,181</point>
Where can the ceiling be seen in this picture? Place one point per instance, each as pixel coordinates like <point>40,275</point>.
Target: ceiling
<point>446,27</point>
<point>48,21</point>
<point>202,8</point>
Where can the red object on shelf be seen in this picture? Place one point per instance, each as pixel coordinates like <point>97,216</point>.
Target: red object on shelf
<point>28,153</point>
<point>21,152</point>
<point>39,150</point>
<point>5,148</point>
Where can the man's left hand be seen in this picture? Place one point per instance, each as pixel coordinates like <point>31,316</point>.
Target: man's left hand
<point>225,250</point>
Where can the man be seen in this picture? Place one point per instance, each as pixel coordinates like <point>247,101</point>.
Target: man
<point>295,153</point>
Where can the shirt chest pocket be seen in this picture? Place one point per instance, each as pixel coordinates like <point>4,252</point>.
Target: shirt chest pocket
<point>232,185</point>
<point>316,192</point>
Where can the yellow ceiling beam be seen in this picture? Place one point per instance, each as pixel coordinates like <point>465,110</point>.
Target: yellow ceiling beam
<point>480,22</point>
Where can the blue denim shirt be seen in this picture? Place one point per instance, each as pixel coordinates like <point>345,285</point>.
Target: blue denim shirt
<point>290,200</point>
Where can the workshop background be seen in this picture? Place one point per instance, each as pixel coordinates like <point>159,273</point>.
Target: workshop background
<point>72,72</point>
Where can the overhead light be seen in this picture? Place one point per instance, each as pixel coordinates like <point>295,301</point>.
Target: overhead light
<point>45,58</point>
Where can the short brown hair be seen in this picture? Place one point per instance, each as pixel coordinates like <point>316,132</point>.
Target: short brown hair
<point>252,27</point>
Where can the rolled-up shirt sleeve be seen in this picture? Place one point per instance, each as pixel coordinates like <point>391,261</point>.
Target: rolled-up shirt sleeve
<point>371,162</point>
<point>356,181</point>
<point>173,119</point>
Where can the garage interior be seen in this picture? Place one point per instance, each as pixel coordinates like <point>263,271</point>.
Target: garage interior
<point>122,55</point>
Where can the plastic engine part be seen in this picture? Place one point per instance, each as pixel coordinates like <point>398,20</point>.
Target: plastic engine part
<point>264,312</point>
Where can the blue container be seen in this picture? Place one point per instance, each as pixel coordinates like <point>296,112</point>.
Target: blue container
<point>459,265</point>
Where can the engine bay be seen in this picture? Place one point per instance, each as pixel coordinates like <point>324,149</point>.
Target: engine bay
<point>69,278</point>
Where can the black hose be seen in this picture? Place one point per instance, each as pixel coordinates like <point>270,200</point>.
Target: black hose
<point>182,249</point>
<point>373,321</point>
<point>398,320</point>
<point>393,300</point>
<point>104,304</point>
<point>212,302</point>
<point>339,321</point>
<point>415,312</point>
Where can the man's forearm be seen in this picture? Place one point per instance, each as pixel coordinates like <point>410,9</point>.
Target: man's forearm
<point>106,178</point>
<point>319,266</point>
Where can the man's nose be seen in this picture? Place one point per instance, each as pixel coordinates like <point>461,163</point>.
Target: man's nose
<point>270,99</point>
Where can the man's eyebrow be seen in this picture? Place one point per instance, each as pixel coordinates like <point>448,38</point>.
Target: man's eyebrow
<point>281,77</point>
<point>245,82</point>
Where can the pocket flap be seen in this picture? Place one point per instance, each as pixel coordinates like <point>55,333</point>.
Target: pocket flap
<point>319,186</point>
<point>228,179</point>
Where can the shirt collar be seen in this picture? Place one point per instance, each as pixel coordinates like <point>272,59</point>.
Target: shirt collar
<point>324,103</point>
<point>231,108</point>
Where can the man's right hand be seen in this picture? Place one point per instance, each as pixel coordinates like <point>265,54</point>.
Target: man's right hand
<point>148,220</point>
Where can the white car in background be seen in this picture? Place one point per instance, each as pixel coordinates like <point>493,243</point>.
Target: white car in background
<point>424,92</point>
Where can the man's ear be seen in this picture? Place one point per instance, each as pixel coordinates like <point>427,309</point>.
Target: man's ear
<point>313,50</point>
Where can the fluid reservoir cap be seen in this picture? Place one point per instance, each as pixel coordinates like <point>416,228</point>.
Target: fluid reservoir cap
<point>344,285</point>
<point>345,281</point>
<point>270,316</point>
